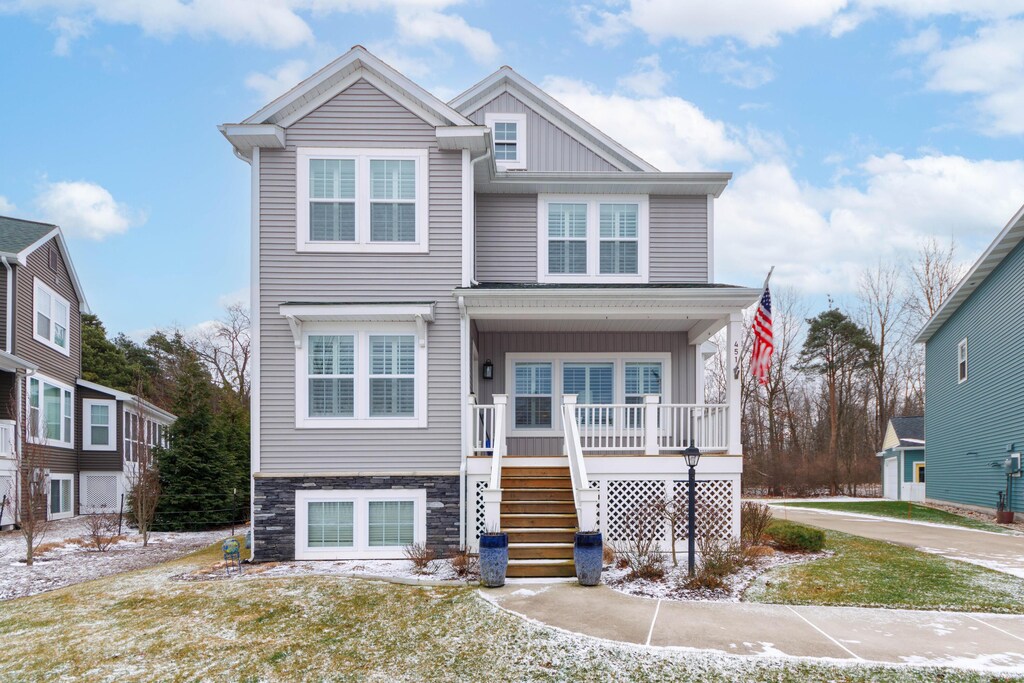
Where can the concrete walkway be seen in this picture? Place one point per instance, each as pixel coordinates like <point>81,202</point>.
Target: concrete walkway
<point>992,642</point>
<point>1001,552</point>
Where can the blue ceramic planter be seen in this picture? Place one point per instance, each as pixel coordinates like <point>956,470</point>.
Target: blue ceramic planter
<point>588,554</point>
<point>493,559</point>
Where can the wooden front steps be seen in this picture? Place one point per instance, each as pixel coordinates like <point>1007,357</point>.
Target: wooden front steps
<point>539,515</point>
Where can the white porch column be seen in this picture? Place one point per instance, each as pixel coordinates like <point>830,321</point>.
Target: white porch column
<point>651,425</point>
<point>734,343</point>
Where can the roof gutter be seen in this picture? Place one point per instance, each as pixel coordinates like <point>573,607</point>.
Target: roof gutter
<point>10,293</point>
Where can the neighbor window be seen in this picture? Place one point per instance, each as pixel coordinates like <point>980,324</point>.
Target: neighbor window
<point>52,319</point>
<point>131,436</point>
<point>961,361</point>
<point>592,238</point>
<point>356,378</point>
<point>51,412</point>
<point>508,131</point>
<point>362,200</point>
<point>61,502</point>
<point>99,427</point>
<point>533,395</point>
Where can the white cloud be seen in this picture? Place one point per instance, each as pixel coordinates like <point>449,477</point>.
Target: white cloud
<point>648,79</point>
<point>600,27</point>
<point>821,237</point>
<point>68,30</point>
<point>6,206</point>
<point>920,43</point>
<point>990,67</point>
<point>270,85</point>
<point>739,72</point>
<point>426,27</point>
<point>86,209</point>
<point>669,132</point>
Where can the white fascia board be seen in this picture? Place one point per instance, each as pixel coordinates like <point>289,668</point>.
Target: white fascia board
<point>130,399</point>
<point>245,136</point>
<point>472,138</point>
<point>670,183</point>
<point>399,312</point>
<point>20,258</point>
<point>1009,237</point>
<point>724,296</point>
<point>12,363</point>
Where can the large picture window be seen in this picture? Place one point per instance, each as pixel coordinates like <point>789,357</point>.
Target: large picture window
<point>336,524</point>
<point>51,412</point>
<point>52,318</point>
<point>351,200</point>
<point>597,239</point>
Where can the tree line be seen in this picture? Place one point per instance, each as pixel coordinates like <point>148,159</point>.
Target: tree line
<point>837,377</point>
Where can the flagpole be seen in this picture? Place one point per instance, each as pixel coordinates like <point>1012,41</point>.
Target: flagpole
<point>768,277</point>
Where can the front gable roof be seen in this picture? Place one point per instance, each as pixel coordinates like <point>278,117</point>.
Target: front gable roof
<point>507,80</point>
<point>904,431</point>
<point>1007,240</point>
<point>20,237</point>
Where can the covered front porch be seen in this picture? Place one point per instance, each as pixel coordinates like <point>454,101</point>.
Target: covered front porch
<point>603,383</point>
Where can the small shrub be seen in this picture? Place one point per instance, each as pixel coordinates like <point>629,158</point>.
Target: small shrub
<point>790,536</point>
<point>420,555</point>
<point>463,563</point>
<point>608,555</point>
<point>756,551</point>
<point>718,560</point>
<point>639,551</point>
<point>754,521</point>
<point>101,531</point>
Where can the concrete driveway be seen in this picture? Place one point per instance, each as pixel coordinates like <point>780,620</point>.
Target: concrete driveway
<point>1001,552</point>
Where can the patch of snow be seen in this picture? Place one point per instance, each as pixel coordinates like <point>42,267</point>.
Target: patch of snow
<point>438,572</point>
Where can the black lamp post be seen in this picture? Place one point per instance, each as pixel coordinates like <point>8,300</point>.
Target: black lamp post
<point>692,456</point>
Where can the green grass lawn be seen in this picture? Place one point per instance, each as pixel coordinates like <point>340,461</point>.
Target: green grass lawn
<point>146,626</point>
<point>899,510</point>
<point>869,573</point>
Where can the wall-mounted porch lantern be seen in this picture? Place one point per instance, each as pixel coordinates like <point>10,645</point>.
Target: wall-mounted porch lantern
<point>487,372</point>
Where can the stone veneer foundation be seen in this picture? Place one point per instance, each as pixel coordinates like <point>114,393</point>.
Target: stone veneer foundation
<point>274,508</point>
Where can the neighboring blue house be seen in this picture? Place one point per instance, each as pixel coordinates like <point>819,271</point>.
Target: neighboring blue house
<point>974,373</point>
<point>902,457</point>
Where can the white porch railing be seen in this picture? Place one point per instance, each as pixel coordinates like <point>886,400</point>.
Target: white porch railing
<point>481,428</point>
<point>652,428</point>
<point>6,438</point>
<point>584,497</point>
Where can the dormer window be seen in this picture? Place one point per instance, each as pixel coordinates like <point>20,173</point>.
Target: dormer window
<point>509,134</point>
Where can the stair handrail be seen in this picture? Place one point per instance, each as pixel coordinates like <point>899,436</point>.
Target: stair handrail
<point>577,465</point>
<point>498,443</point>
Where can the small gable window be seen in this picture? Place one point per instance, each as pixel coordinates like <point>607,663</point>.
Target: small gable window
<point>961,361</point>
<point>509,134</point>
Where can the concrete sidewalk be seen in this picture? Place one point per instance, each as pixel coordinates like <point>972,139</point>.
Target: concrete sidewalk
<point>1001,552</point>
<point>992,642</point>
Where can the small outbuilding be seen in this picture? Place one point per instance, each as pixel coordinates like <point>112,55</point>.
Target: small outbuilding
<point>902,458</point>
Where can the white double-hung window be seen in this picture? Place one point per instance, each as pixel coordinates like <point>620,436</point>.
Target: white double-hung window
<point>361,200</point>
<point>592,239</point>
<point>100,429</point>
<point>52,318</point>
<point>51,412</point>
<point>508,132</point>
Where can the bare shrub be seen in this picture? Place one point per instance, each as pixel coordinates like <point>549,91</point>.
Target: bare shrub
<point>607,555</point>
<point>463,562</point>
<point>639,550</point>
<point>718,559</point>
<point>101,531</point>
<point>754,521</point>
<point>420,555</point>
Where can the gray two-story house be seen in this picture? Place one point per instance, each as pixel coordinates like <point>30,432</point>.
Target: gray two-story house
<point>474,315</point>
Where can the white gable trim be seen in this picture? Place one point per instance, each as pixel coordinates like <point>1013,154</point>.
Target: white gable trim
<point>22,256</point>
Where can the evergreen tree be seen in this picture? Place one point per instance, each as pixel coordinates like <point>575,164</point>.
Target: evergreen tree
<point>197,474</point>
<point>231,419</point>
<point>102,360</point>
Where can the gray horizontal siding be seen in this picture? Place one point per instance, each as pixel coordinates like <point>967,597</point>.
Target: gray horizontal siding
<point>495,345</point>
<point>679,239</point>
<point>548,147</point>
<point>98,460</point>
<point>968,426</point>
<point>360,116</point>
<point>506,237</point>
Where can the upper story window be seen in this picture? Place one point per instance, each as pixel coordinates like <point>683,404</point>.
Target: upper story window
<point>50,412</point>
<point>961,361</point>
<point>596,239</point>
<point>52,318</point>
<point>361,200</point>
<point>509,134</point>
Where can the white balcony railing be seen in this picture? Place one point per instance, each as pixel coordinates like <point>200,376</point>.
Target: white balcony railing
<point>6,438</point>
<point>652,428</point>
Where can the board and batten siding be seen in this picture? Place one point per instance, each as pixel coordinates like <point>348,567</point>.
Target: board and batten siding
<point>969,425</point>
<point>359,116</point>
<point>548,147</point>
<point>494,346</point>
<point>52,363</point>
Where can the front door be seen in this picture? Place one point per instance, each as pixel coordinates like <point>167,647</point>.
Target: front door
<point>890,479</point>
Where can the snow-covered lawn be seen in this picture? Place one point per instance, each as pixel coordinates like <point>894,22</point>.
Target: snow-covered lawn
<point>68,561</point>
<point>439,572</point>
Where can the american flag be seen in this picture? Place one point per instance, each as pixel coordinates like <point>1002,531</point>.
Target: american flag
<point>764,344</point>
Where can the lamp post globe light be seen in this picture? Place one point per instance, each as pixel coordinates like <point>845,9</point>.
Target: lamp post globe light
<point>692,456</point>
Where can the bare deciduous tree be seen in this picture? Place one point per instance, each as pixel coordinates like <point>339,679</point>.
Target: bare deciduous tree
<point>30,464</point>
<point>935,274</point>
<point>143,474</point>
<point>226,348</point>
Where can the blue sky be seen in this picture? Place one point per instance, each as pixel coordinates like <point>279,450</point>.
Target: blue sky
<point>856,129</point>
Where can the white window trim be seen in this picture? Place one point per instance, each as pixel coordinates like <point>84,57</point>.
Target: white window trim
<point>619,360</point>
<point>360,522</point>
<point>54,297</point>
<point>87,404</point>
<point>71,509</point>
<point>362,157</point>
<point>520,120</point>
<point>361,419</point>
<point>41,427</point>
<point>593,203</point>
<point>961,348</point>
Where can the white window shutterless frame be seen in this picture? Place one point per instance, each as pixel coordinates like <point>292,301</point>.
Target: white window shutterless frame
<point>351,200</point>
<point>60,502</point>
<point>340,524</point>
<point>51,318</point>
<point>614,236</point>
<point>508,133</point>
<point>99,433</point>
<point>387,375</point>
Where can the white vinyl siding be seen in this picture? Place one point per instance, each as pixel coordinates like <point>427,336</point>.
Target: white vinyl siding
<point>370,376</point>
<point>358,200</point>
<point>99,432</point>
<point>376,523</point>
<point>61,503</point>
<point>961,361</point>
<point>51,412</point>
<point>508,132</point>
<point>51,320</point>
<point>592,239</point>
